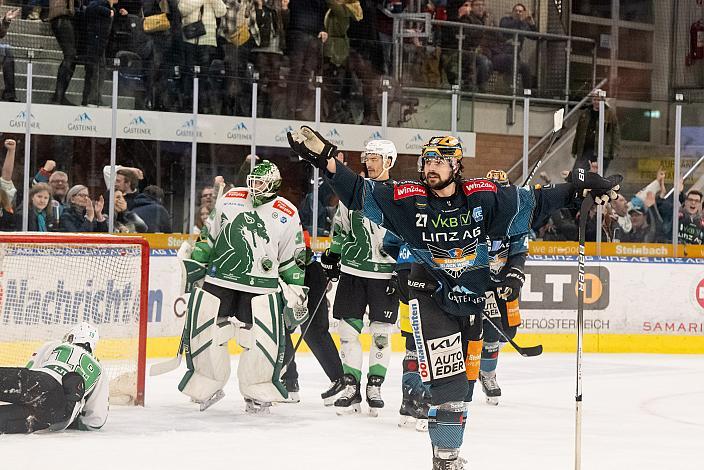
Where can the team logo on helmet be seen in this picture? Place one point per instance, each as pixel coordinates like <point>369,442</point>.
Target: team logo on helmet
<point>444,147</point>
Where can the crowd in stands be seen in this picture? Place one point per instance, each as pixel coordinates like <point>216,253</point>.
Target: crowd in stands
<point>645,218</point>
<point>57,206</point>
<point>160,43</point>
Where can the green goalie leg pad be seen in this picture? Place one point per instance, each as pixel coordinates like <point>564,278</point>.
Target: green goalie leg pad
<point>208,363</point>
<point>260,367</point>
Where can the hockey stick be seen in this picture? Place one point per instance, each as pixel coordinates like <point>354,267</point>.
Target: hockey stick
<point>558,120</point>
<point>529,351</point>
<point>310,321</point>
<point>587,204</point>
<point>171,364</point>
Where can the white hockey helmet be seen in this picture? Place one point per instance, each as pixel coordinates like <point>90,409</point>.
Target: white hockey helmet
<point>384,148</point>
<point>83,333</point>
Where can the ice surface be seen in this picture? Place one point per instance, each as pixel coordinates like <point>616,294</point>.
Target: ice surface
<point>640,412</point>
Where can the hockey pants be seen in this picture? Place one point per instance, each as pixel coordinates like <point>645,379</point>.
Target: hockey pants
<point>36,400</point>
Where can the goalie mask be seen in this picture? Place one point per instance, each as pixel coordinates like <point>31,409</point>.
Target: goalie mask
<point>384,149</point>
<point>499,177</point>
<point>83,334</point>
<point>263,182</point>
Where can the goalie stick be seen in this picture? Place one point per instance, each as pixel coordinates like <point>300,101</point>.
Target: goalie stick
<point>172,364</point>
<point>586,206</point>
<point>528,351</point>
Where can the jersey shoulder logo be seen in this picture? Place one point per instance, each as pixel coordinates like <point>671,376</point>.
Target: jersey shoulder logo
<point>283,207</point>
<point>239,194</point>
<point>472,186</point>
<point>404,190</point>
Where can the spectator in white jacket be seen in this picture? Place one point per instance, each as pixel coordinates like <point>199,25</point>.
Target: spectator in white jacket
<point>200,50</point>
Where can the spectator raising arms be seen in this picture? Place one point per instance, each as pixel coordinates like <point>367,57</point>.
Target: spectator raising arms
<point>82,214</point>
<point>126,181</point>
<point>126,221</point>
<point>58,180</point>
<point>40,217</point>
<point>8,167</point>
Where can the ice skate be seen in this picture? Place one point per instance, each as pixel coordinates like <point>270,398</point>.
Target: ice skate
<point>407,410</point>
<point>447,459</point>
<point>449,464</point>
<point>490,387</point>
<point>331,393</point>
<point>256,407</point>
<point>374,394</point>
<point>205,404</point>
<point>350,399</point>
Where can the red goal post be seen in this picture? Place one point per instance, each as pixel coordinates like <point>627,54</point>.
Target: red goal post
<point>48,282</point>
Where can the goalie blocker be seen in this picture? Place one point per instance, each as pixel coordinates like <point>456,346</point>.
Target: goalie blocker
<point>261,364</point>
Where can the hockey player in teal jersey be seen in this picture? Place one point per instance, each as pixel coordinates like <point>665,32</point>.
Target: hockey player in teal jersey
<point>446,222</point>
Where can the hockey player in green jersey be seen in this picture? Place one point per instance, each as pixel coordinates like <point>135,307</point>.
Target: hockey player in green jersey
<point>252,260</point>
<point>357,252</point>
<point>62,386</point>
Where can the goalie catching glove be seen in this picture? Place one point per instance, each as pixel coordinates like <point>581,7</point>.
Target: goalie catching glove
<point>601,189</point>
<point>310,146</point>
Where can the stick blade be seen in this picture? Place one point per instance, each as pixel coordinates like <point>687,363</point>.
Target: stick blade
<point>531,351</point>
<point>558,119</point>
<point>166,366</point>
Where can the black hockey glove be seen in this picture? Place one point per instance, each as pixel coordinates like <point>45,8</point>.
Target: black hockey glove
<point>331,264</point>
<point>513,282</point>
<point>601,189</point>
<point>392,286</point>
<point>310,146</point>
<point>74,387</point>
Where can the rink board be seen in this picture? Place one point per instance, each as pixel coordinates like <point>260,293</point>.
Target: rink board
<point>632,304</point>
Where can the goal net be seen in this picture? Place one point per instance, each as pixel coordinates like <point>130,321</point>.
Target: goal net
<point>48,283</point>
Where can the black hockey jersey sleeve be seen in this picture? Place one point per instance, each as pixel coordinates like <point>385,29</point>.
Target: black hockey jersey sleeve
<point>375,200</point>
<point>511,211</point>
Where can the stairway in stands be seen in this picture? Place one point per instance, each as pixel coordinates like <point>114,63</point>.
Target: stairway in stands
<point>35,39</point>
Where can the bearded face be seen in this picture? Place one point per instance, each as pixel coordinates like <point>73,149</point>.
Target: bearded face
<point>438,172</point>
